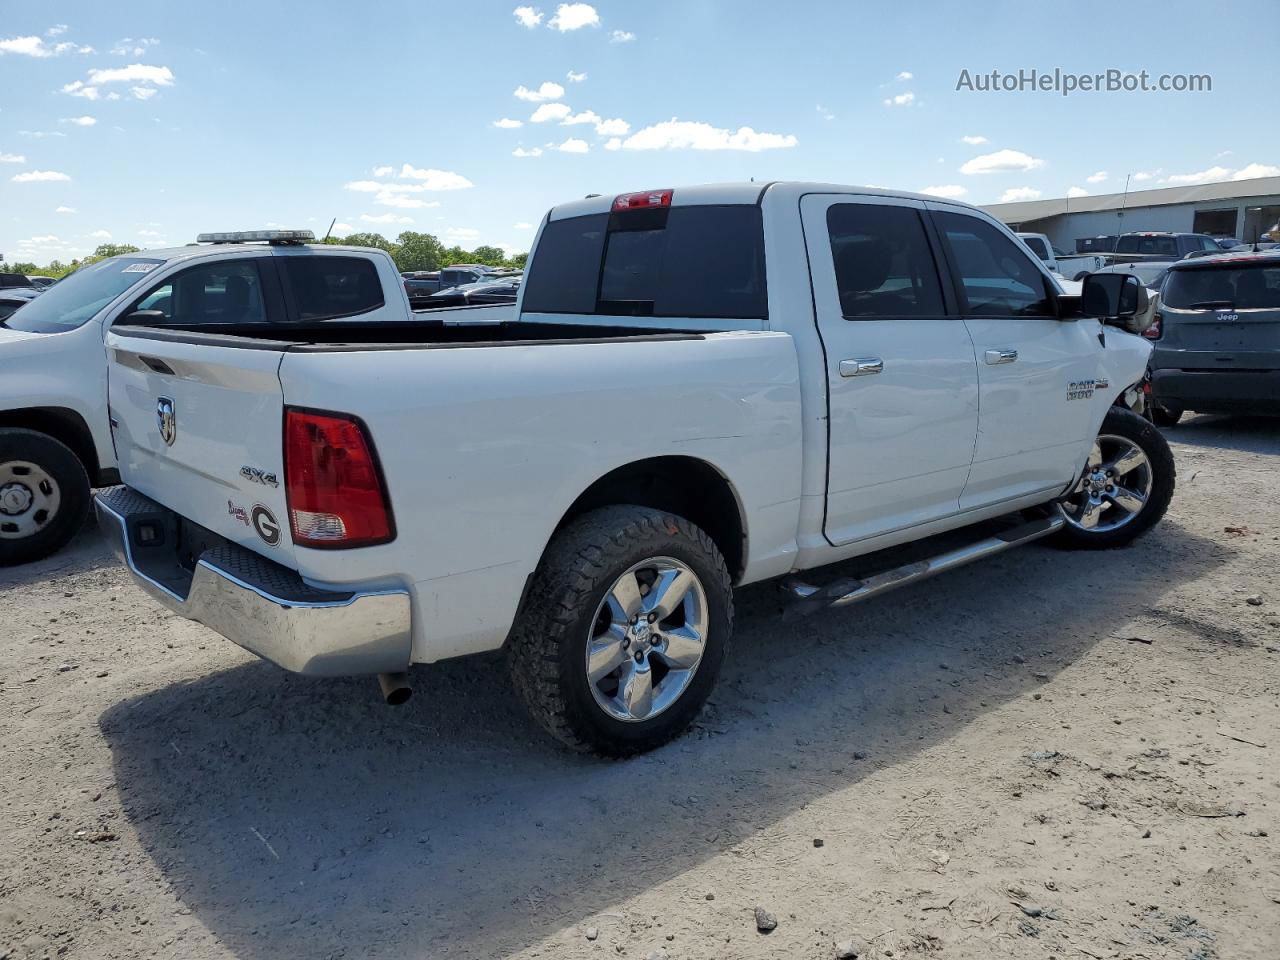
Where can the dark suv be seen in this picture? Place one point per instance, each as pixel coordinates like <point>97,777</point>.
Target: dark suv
<point>1217,337</point>
<point>1134,247</point>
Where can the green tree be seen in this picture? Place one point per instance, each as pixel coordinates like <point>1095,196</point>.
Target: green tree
<point>418,251</point>
<point>367,240</point>
<point>111,250</point>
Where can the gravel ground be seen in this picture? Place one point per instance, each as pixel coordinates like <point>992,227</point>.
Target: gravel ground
<point>1049,755</point>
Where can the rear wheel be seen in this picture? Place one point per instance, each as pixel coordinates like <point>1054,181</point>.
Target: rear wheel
<point>624,630</point>
<point>44,495</point>
<point>1164,416</point>
<point>1124,488</point>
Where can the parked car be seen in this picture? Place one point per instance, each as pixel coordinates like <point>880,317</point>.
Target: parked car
<point>421,284</point>
<point>1073,267</point>
<point>1150,272</point>
<point>669,411</point>
<point>1135,247</point>
<point>11,298</point>
<point>15,281</point>
<point>462,273</point>
<point>504,290</point>
<point>53,374</point>
<point>1255,247</point>
<point>1103,243</point>
<point>1217,337</point>
<point>1227,243</point>
<point>41,282</point>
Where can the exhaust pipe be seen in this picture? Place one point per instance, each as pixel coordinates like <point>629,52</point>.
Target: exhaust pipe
<point>395,688</point>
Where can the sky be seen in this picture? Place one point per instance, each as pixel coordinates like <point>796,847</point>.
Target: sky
<point>147,123</point>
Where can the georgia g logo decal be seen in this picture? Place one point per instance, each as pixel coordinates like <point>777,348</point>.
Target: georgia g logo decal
<point>264,523</point>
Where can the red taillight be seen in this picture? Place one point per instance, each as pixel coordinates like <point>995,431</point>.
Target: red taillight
<point>1153,332</point>
<point>334,487</point>
<point>642,200</point>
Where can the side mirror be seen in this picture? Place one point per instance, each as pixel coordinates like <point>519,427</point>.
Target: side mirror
<point>1113,296</point>
<point>143,318</point>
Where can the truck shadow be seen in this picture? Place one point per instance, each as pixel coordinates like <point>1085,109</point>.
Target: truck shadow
<point>297,817</point>
<point>87,551</point>
<point>1246,434</point>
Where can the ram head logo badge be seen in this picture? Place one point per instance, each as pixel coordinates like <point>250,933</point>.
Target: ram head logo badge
<point>167,420</point>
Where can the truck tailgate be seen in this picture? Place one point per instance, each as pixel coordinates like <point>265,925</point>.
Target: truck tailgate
<point>198,429</point>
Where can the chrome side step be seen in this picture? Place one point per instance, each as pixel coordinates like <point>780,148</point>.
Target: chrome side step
<point>841,593</point>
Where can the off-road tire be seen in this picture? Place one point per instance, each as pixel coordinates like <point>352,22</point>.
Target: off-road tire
<point>1125,423</point>
<point>57,460</point>
<point>547,648</point>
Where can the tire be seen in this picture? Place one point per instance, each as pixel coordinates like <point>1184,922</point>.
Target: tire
<point>575,595</point>
<point>44,495</point>
<point>1111,510</point>
<point>1165,416</point>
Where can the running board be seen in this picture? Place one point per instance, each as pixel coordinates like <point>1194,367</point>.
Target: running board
<point>841,593</point>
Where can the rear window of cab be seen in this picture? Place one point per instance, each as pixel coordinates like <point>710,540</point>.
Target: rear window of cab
<point>694,261</point>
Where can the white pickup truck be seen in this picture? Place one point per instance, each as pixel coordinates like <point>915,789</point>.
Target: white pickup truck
<point>701,388</point>
<point>55,441</point>
<point>1072,266</point>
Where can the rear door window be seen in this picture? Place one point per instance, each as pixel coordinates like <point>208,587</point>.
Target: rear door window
<point>696,261</point>
<point>883,264</point>
<point>325,288</point>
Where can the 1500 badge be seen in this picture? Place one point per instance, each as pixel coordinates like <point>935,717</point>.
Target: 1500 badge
<point>1080,389</point>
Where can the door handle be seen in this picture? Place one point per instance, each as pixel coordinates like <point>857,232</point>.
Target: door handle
<point>1001,356</point>
<point>861,367</point>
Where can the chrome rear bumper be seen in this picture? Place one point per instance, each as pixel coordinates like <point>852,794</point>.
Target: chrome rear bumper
<point>259,605</point>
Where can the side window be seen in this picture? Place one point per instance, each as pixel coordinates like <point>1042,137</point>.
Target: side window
<point>884,267</point>
<point>997,278</point>
<point>325,288</point>
<point>212,293</point>
<point>1037,247</point>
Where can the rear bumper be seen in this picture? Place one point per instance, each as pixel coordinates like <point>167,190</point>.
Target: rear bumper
<point>259,605</point>
<point>1214,391</point>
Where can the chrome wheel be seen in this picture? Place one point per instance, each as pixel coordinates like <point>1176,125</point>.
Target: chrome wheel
<point>647,639</point>
<point>1113,489</point>
<point>29,499</point>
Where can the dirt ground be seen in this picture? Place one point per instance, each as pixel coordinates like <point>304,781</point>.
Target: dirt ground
<point>1048,755</point>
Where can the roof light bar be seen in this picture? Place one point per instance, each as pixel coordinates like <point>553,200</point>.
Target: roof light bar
<point>642,200</point>
<point>251,236</point>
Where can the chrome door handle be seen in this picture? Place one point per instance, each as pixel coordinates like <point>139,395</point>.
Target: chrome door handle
<point>1001,356</point>
<point>861,367</point>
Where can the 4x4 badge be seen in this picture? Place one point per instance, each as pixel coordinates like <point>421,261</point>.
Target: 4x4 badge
<point>256,475</point>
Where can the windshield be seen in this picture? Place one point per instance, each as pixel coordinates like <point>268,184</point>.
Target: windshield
<point>1243,288</point>
<point>71,302</point>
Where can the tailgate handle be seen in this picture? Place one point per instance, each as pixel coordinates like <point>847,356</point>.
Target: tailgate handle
<point>157,365</point>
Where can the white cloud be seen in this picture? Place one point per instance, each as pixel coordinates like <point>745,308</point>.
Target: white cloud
<point>342,228</point>
<point>77,89</point>
<point>824,113</point>
<point>101,235</point>
<point>523,226</point>
<point>65,210</point>
<point>549,111</point>
<point>85,121</point>
<point>614,127</point>
<point>901,100</point>
<point>950,191</point>
<point>392,198</point>
<point>1002,161</point>
<point>904,75</point>
<point>39,176</point>
<point>384,218</point>
<point>676,134</point>
<point>12,158</point>
<point>41,133</point>
<point>1200,176</point>
<point>973,140</point>
<point>614,144</point>
<point>134,73</point>
<point>1016,194</point>
<point>148,233</point>
<point>527,16</point>
<point>384,171</point>
<point>1145,175</point>
<point>506,123</point>
<point>574,16</point>
<point>1073,192</point>
<point>574,145</point>
<point>586,116</point>
<point>522,152</point>
<point>1256,170</point>
<point>547,90</point>
<point>129,47</point>
<point>139,93</point>
<point>1097,177</point>
<point>575,77</point>
<point>621,36</point>
<point>36,47</point>
<point>57,30</point>
<point>435,179</point>
<point>462,233</point>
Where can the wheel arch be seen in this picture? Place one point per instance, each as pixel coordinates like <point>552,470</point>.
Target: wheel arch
<point>66,426</point>
<point>688,486</point>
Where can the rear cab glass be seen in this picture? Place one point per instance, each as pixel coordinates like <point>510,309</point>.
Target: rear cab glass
<point>1159,246</point>
<point>326,288</point>
<point>704,261</point>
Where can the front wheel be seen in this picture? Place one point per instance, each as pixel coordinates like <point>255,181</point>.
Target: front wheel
<point>1124,488</point>
<point>44,495</point>
<point>624,630</point>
